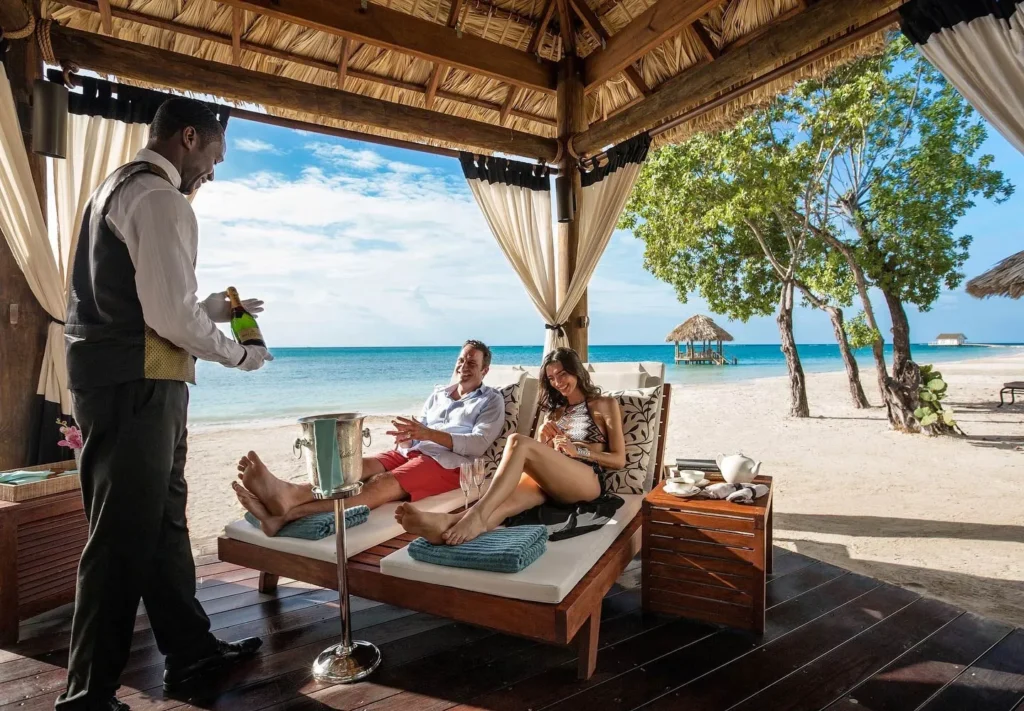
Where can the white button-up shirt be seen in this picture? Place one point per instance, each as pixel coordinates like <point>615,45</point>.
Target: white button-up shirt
<point>474,421</point>
<point>157,224</point>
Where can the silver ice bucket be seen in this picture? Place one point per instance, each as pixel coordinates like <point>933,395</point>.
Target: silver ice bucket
<point>334,459</point>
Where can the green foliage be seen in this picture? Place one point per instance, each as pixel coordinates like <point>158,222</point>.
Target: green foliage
<point>933,390</point>
<point>859,333</point>
<point>904,168</point>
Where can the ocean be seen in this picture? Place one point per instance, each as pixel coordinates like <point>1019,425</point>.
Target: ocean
<point>303,381</point>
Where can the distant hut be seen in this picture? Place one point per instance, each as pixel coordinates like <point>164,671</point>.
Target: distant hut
<point>1004,279</point>
<point>701,330</point>
<point>950,339</point>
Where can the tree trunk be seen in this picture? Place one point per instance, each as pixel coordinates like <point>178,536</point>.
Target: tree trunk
<point>906,382</point>
<point>860,400</point>
<point>797,385</point>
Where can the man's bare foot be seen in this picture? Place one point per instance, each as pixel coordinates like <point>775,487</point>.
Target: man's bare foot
<point>278,497</point>
<point>469,527</point>
<point>270,525</point>
<point>400,512</point>
<point>423,523</point>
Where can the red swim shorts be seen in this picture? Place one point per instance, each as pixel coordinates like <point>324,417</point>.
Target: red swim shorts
<point>419,475</point>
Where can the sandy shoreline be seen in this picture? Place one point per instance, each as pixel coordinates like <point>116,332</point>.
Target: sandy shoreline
<point>943,516</point>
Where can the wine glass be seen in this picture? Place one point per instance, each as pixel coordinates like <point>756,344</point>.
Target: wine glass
<point>479,473</point>
<point>466,480</point>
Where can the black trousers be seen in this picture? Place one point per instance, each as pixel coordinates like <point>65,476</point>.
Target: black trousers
<point>133,484</point>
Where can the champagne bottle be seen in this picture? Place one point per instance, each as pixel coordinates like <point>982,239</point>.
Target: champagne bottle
<point>243,324</point>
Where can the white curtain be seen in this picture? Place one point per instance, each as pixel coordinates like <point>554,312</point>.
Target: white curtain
<point>21,220</point>
<point>517,208</point>
<point>978,45</point>
<point>97,146</point>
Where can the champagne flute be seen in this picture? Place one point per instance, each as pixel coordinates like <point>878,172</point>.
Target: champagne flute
<point>479,472</point>
<point>466,480</point>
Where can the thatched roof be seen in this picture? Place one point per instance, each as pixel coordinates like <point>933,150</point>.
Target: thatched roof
<point>698,328</point>
<point>224,33</point>
<point>1004,279</point>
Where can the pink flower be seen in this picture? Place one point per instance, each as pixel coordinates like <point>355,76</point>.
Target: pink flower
<point>72,437</point>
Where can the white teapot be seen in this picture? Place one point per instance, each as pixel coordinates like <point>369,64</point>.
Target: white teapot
<point>737,469</point>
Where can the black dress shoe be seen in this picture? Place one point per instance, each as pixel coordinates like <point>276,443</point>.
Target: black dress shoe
<point>111,704</point>
<point>179,671</point>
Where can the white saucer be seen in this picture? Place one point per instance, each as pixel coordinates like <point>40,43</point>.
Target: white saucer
<point>679,482</point>
<point>682,490</point>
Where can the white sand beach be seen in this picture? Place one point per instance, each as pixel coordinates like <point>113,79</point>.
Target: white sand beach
<point>942,516</point>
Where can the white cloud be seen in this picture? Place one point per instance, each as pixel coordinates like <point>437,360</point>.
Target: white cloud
<point>254,145</point>
<point>360,159</point>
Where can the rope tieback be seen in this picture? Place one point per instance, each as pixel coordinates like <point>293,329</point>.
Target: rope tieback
<point>45,45</point>
<point>558,328</point>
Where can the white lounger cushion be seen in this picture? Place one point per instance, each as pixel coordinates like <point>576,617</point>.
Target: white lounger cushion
<point>549,580</point>
<point>380,527</point>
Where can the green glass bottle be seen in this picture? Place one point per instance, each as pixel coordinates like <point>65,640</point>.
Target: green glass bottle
<point>243,324</point>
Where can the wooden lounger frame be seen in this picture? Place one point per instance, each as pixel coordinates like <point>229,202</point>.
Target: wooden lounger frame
<point>576,619</point>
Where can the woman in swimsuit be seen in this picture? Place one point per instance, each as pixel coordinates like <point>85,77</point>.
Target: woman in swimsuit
<point>580,440</point>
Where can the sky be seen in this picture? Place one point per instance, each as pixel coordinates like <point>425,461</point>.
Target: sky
<point>353,244</point>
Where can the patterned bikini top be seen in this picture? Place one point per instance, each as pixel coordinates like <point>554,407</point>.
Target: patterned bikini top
<point>579,425</point>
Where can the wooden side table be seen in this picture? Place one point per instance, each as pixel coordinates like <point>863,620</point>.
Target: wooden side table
<point>41,541</point>
<point>707,559</point>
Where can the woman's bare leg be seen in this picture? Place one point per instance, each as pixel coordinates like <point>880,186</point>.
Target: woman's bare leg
<point>564,479</point>
<point>433,525</point>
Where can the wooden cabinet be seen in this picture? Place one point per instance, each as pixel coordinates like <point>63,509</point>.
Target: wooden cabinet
<point>41,541</point>
<point>707,559</point>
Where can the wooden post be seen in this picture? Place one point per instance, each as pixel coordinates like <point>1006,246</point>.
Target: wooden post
<point>21,343</point>
<point>571,120</point>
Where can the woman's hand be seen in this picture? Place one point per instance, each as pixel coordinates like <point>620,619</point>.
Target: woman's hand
<point>566,446</point>
<point>550,431</point>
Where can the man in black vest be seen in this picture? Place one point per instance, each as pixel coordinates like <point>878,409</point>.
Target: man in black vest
<point>134,330</point>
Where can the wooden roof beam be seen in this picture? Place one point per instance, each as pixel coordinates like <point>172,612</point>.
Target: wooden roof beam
<point>542,28</point>
<point>185,73</point>
<point>506,107</point>
<point>658,23</point>
<point>236,36</point>
<point>636,79</point>
<point>565,27</point>
<point>106,19</point>
<point>403,33</point>
<point>797,36</point>
<point>591,21</point>
<point>711,50</point>
<point>435,78</point>
<point>453,12</point>
<point>206,35</point>
<point>343,55</point>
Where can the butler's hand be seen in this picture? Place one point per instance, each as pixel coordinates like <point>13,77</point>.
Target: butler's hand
<point>218,308</point>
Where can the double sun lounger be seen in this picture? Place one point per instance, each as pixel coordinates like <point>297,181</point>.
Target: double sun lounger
<point>557,599</point>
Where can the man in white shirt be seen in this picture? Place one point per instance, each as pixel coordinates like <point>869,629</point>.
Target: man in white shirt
<point>134,330</point>
<point>458,423</point>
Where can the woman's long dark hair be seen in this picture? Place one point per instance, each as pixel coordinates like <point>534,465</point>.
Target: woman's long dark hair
<point>551,399</point>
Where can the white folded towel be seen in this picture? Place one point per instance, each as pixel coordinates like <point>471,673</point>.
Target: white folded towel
<point>736,493</point>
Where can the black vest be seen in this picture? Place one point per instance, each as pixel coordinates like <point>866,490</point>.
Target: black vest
<point>108,342</point>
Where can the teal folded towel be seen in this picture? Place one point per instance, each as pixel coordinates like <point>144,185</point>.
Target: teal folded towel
<point>317,526</point>
<point>24,477</point>
<point>503,550</point>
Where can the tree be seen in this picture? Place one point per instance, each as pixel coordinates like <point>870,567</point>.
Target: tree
<point>902,170</point>
<point>720,205</point>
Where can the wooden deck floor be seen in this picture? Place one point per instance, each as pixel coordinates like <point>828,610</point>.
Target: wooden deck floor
<point>833,640</point>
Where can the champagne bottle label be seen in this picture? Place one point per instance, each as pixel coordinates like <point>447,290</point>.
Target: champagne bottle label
<point>245,335</point>
<point>243,324</point>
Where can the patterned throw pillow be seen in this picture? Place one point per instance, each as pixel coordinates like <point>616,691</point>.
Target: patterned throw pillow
<point>640,429</point>
<point>513,395</point>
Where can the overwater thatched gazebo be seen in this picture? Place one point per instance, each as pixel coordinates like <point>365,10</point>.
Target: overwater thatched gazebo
<point>700,329</point>
<point>1004,279</point>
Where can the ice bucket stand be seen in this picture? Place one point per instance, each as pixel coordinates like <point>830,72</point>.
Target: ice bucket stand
<point>350,660</point>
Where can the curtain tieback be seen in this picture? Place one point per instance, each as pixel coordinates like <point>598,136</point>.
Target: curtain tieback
<point>57,320</point>
<point>558,328</point>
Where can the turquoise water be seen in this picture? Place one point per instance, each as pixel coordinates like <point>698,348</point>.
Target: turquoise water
<point>301,381</point>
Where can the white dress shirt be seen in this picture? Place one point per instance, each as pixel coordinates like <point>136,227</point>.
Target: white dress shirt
<point>157,224</point>
<point>474,421</point>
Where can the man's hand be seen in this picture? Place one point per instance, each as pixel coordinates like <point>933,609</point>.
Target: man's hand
<point>549,431</point>
<point>218,308</point>
<point>255,357</point>
<point>407,429</point>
